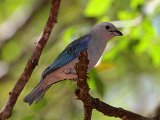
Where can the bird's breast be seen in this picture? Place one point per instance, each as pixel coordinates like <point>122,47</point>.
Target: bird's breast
<point>95,50</point>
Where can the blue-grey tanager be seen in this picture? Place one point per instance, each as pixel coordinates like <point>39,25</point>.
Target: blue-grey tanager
<point>62,67</point>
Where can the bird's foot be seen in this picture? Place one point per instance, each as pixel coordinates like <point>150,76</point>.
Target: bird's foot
<point>69,71</point>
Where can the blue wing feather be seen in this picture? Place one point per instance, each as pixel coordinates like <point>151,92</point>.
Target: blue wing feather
<point>68,54</point>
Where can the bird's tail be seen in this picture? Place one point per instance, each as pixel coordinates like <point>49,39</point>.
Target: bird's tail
<point>36,94</point>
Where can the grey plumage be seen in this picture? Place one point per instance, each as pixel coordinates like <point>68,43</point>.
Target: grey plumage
<point>63,66</point>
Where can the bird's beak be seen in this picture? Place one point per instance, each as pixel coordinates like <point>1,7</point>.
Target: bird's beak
<point>117,33</point>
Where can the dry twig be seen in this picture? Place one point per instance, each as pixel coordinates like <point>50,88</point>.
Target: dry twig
<point>32,62</point>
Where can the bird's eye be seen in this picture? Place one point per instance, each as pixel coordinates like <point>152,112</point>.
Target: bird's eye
<point>107,27</point>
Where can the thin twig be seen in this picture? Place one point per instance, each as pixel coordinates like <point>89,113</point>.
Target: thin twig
<point>91,103</point>
<point>32,62</point>
<point>116,112</point>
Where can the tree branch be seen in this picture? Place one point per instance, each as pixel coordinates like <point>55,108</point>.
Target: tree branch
<point>91,103</point>
<point>32,62</point>
<point>82,92</point>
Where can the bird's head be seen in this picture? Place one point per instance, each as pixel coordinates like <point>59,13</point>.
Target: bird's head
<point>105,30</point>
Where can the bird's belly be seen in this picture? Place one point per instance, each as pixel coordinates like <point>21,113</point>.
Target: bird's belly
<point>66,72</point>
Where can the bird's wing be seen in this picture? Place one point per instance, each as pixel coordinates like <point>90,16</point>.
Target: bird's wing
<point>68,54</point>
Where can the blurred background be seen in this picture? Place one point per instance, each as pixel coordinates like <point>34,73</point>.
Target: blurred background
<point>127,76</point>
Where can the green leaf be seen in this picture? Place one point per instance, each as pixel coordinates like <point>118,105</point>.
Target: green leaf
<point>104,19</point>
<point>154,53</point>
<point>97,8</point>
<point>98,82</point>
<point>146,34</point>
<point>123,15</point>
<point>135,3</point>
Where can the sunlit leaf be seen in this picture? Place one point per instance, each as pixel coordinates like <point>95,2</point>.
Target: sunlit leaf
<point>104,19</point>
<point>135,3</point>
<point>124,15</point>
<point>146,36</point>
<point>96,8</point>
<point>154,52</point>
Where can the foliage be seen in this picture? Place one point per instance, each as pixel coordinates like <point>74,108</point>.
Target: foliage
<point>128,75</point>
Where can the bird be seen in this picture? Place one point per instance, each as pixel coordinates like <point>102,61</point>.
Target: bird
<point>62,68</point>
